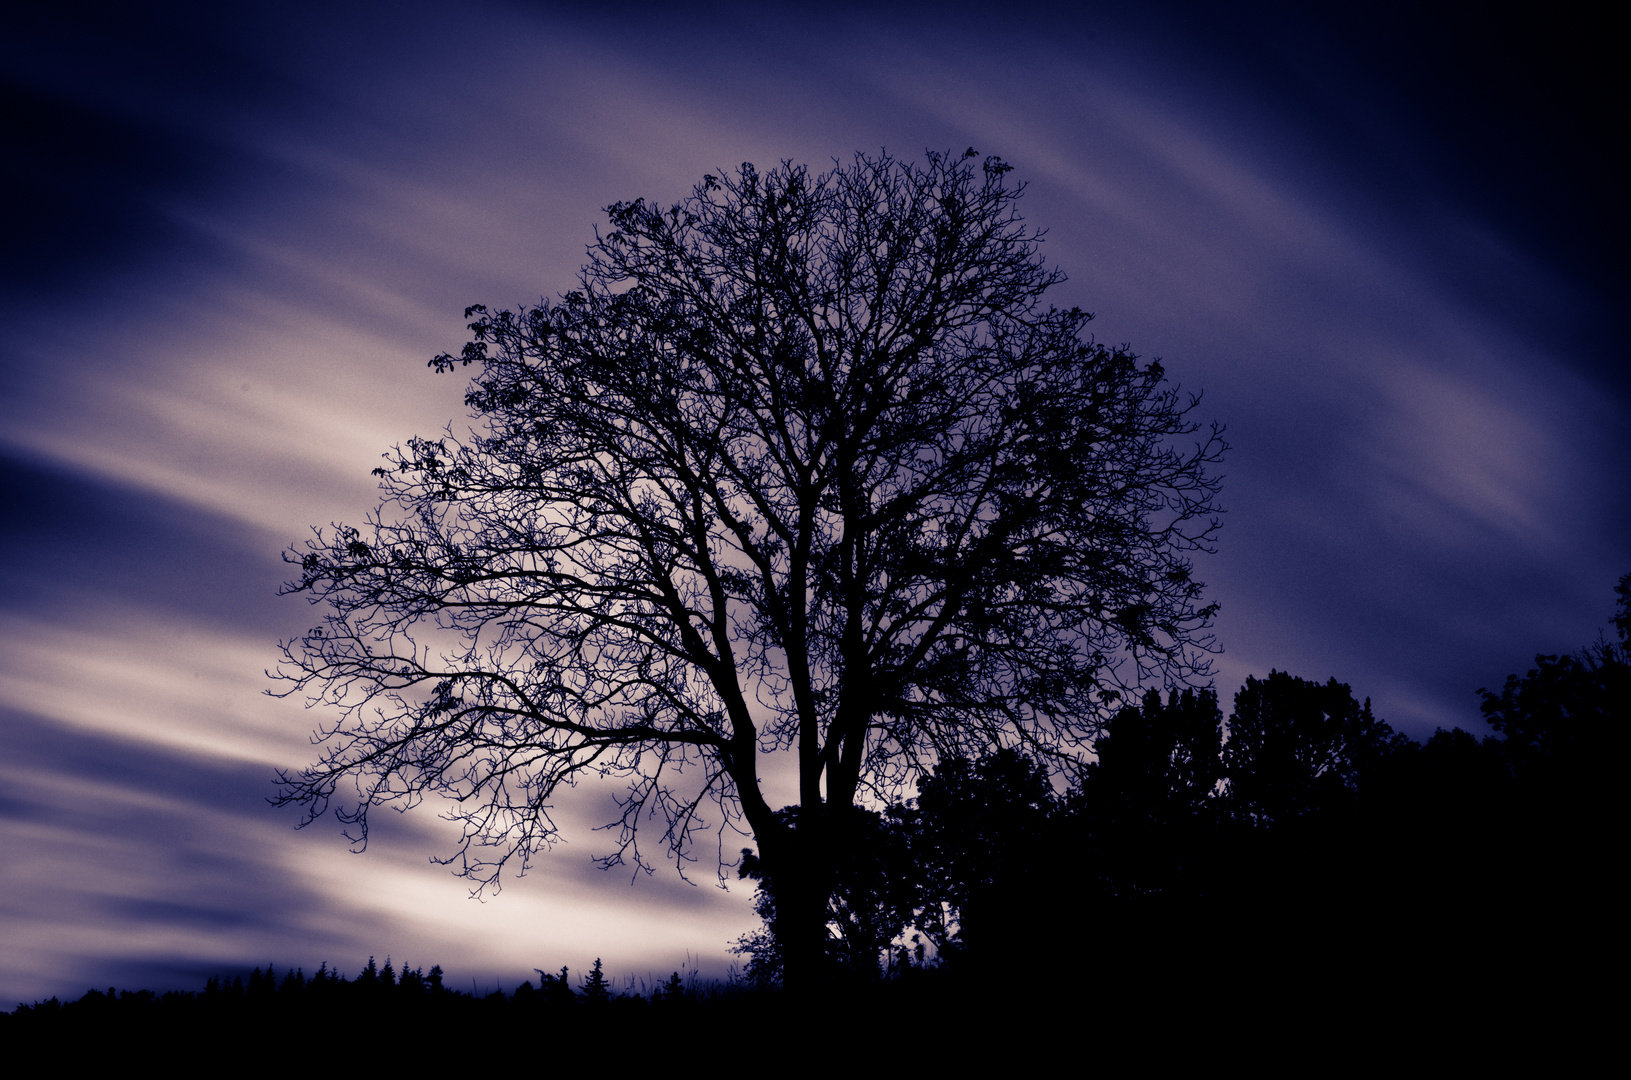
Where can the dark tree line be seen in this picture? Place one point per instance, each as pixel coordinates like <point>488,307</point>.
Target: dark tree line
<point>1303,819</point>
<point>381,1005</point>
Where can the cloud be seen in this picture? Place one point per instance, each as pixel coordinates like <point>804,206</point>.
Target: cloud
<point>154,865</point>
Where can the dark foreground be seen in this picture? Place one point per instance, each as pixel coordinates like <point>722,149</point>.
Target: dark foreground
<point>1299,994</point>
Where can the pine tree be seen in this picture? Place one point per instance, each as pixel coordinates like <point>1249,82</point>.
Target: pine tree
<point>596,991</point>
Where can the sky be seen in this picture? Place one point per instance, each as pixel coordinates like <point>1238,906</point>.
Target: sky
<point>1385,246</point>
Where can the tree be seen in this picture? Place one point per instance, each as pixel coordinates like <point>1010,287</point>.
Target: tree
<point>1161,760</point>
<point>803,465</point>
<point>1298,748</point>
<point>1563,723</point>
<point>1562,746</point>
<point>1143,813</point>
<point>869,905</point>
<point>977,836</point>
<point>596,990</point>
<point>965,853</point>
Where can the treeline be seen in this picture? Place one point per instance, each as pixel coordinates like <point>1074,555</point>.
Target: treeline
<point>380,1000</point>
<point>1304,827</point>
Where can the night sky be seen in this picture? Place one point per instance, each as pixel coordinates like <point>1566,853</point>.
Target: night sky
<point>1388,246</point>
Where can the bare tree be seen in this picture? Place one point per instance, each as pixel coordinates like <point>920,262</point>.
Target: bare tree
<point>805,465</point>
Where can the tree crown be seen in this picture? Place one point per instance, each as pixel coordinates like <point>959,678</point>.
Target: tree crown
<point>803,464</point>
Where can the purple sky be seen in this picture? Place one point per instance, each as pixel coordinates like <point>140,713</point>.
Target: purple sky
<point>1388,249</point>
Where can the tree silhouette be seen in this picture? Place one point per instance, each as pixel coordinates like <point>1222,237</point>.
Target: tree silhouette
<point>1304,849</point>
<point>596,990</point>
<point>1297,748</point>
<point>977,833</point>
<point>804,465</point>
<point>958,865</point>
<point>1143,812</point>
<point>1161,759</point>
<point>1563,738</point>
<point>1560,720</point>
<point>874,888</point>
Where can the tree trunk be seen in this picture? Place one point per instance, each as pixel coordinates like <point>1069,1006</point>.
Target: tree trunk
<point>797,868</point>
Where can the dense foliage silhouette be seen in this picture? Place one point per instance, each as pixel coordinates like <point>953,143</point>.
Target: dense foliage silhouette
<point>1145,814</point>
<point>1297,748</point>
<point>1304,819</point>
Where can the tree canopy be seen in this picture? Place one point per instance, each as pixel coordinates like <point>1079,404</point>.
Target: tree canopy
<point>804,468</point>
<point>1297,747</point>
<point>1557,720</point>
